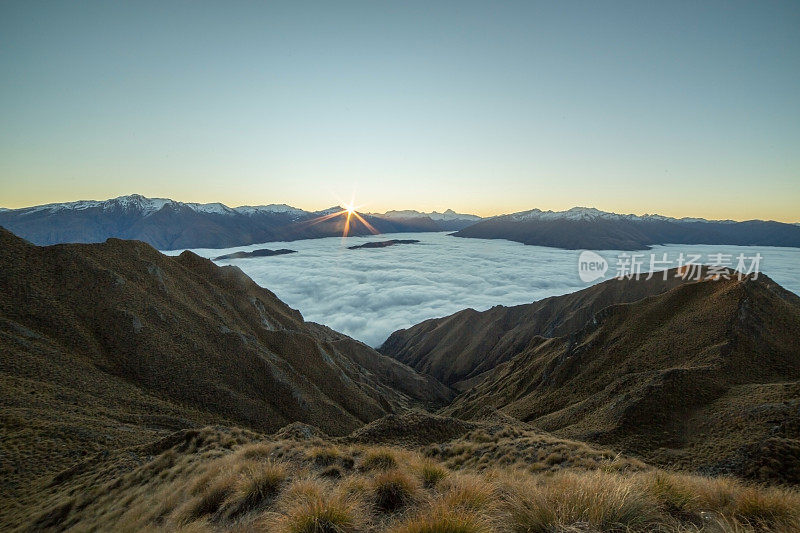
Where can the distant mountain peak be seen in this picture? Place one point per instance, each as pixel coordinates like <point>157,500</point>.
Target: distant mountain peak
<point>449,214</point>
<point>170,224</point>
<point>592,213</point>
<point>594,229</point>
<point>269,208</point>
<point>330,210</point>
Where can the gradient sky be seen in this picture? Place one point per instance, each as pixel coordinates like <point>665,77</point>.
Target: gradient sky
<point>681,108</point>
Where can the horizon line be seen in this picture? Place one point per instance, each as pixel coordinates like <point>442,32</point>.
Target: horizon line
<point>460,212</point>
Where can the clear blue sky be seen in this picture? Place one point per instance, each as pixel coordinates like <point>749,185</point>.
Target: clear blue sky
<point>681,108</point>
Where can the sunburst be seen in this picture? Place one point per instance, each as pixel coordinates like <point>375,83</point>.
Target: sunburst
<point>349,211</point>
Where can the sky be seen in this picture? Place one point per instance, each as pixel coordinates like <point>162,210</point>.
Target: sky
<point>678,108</point>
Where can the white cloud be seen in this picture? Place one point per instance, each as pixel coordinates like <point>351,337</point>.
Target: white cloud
<point>369,293</point>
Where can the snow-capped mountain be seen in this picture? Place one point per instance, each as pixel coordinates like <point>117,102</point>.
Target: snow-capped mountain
<point>591,213</point>
<point>452,215</point>
<point>434,215</point>
<point>147,206</point>
<point>170,224</point>
<point>593,229</point>
<point>271,208</point>
<point>447,221</point>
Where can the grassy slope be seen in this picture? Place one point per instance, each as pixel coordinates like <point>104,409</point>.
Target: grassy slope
<point>466,345</point>
<point>225,479</point>
<point>660,377</point>
<point>111,345</point>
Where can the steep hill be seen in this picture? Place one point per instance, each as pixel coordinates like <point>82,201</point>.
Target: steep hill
<point>111,344</point>
<point>460,348</point>
<point>702,376</point>
<point>591,229</point>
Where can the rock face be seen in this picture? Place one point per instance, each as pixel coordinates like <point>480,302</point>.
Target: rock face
<point>591,229</point>
<point>116,342</point>
<point>697,377</point>
<point>171,225</point>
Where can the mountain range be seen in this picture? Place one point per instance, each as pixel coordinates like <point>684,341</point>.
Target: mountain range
<point>169,225</point>
<point>592,229</point>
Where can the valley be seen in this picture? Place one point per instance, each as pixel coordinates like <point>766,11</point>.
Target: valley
<point>146,374</point>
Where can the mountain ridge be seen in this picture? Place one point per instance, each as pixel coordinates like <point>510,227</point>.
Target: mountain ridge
<point>701,376</point>
<point>169,224</point>
<point>592,229</point>
<point>458,348</point>
<point>116,343</point>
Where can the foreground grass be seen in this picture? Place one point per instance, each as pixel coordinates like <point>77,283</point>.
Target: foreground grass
<point>235,484</point>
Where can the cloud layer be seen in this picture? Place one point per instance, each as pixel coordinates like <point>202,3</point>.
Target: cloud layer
<point>369,293</point>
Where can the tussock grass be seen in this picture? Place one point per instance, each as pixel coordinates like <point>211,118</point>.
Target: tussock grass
<point>258,450</point>
<point>766,506</point>
<point>431,473</point>
<point>599,500</point>
<point>321,514</point>
<point>444,519</point>
<point>211,485</point>
<point>395,490</point>
<point>535,452</point>
<point>728,497</point>
<point>471,492</point>
<point>258,483</point>
<point>209,498</point>
<point>325,455</point>
<point>379,458</point>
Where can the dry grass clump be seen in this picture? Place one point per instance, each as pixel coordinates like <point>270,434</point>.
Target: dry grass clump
<point>257,483</point>
<point>765,506</point>
<point>378,458</point>
<point>209,499</point>
<point>471,492</point>
<point>759,506</point>
<point>395,490</point>
<point>258,450</point>
<point>603,501</point>
<point>441,518</point>
<point>309,506</point>
<point>324,455</point>
<point>431,473</point>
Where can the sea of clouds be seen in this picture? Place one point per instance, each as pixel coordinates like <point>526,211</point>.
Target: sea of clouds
<point>369,293</point>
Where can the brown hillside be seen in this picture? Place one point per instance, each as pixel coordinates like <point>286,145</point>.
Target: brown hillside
<point>114,344</point>
<point>695,377</point>
<point>226,479</point>
<point>463,346</point>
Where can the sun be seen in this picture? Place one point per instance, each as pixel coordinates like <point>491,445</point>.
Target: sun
<point>348,211</point>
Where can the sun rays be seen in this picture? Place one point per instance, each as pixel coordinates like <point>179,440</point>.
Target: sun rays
<point>349,211</point>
